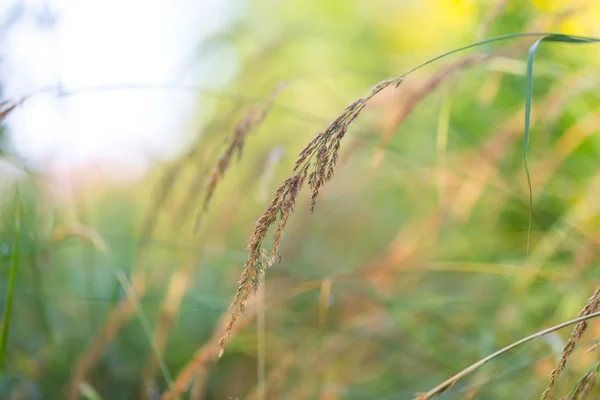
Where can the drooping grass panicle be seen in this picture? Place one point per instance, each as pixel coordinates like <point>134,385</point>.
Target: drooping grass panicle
<point>322,153</point>
<point>258,260</point>
<point>315,163</point>
<point>591,306</point>
<point>249,122</point>
<point>585,385</point>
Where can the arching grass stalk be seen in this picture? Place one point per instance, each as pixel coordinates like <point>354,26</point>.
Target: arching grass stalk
<point>316,165</point>
<point>451,381</point>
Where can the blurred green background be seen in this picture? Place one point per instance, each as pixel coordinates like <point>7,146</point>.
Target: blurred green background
<point>414,264</point>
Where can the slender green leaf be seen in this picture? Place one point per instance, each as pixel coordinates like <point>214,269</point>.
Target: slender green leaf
<point>14,265</point>
<point>557,38</point>
<point>88,392</point>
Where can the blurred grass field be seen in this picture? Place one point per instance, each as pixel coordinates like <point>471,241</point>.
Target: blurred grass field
<point>414,264</point>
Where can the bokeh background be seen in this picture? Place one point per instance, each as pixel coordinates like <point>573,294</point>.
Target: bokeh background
<point>417,260</point>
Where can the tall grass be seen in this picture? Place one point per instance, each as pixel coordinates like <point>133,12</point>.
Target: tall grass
<point>379,293</point>
<point>318,160</point>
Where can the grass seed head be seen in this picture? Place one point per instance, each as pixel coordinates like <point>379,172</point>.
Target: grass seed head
<point>317,163</point>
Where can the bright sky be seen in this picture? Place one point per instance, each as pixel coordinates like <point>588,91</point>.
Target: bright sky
<point>105,43</point>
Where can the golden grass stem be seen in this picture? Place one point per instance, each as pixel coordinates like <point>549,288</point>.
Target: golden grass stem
<point>167,318</point>
<point>324,300</point>
<point>276,378</point>
<point>261,345</point>
<point>442,147</point>
<point>197,367</point>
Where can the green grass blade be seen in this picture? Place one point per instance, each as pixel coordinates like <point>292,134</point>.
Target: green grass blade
<point>528,94</point>
<point>542,37</point>
<point>88,392</point>
<point>557,38</point>
<point>14,265</point>
<point>146,327</point>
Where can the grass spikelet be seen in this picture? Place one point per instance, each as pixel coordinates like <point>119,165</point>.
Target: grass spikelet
<point>258,260</point>
<point>590,307</point>
<point>324,148</point>
<point>317,162</point>
<point>585,385</point>
<point>245,126</point>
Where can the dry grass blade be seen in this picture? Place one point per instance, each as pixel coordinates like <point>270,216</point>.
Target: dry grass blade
<point>317,162</point>
<point>585,385</point>
<point>6,107</point>
<point>80,231</point>
<point>276,377</point>
<point>197,367</point>
<point>167,318</point>
<point>447,384</point>
<point>245,126</point>
<point>489,18</point>
<point>417,95</point>
<point>593,347</point>
<point>93,351</point>
<point>590,307</point>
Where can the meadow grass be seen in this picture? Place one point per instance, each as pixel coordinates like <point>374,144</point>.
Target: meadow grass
<point>388,298</point>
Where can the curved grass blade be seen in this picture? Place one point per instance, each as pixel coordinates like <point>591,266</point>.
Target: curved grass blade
<point>557,38</point>
<point>14,265</point>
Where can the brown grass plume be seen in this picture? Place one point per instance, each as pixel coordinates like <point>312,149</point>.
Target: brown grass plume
<point>315,163</point>
<point>245,126</point>
<point>585,385</point>
<point>590,307</point>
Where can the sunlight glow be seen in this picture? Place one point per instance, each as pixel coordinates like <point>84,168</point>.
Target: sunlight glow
<point>96,43</point>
